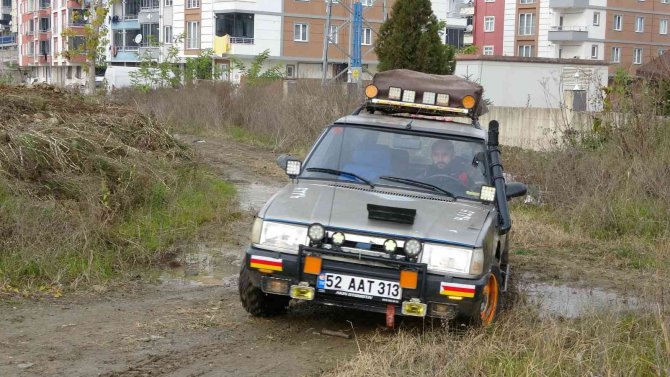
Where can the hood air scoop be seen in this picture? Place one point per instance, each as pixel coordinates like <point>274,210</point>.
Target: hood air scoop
<point>391,214</point>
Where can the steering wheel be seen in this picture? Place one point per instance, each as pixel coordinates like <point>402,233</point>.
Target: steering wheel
<point>442,180</point>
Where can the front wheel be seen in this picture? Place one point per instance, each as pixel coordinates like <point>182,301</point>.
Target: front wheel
<point>491,300</point>
<point>257,302</point>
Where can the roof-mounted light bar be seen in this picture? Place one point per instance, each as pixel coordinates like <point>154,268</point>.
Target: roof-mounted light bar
<point>386,102</point>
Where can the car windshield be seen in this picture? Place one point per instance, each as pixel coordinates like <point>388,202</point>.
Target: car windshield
<point>448,166</point>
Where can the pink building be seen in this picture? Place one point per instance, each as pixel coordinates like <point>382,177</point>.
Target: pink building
<point>489,26</point>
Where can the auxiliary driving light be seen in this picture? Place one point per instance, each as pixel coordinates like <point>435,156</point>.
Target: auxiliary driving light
<point>413,247</point>
<point>395,93</point>
<point>338,238</point>
<point>468,102</point>
<point>302,292</point>
<point>371,91</point>
<point>488,193</point>
<point>446,311</point>
<point>443,99</point>
<point>408,96</point>
<point>390,246</point>
<point>293,168</point>
<point>429,98</point>
<point>316,232</point>
<point>414,308</point>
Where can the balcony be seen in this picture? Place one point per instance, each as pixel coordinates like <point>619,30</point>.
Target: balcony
<point>572,4</point>
<point>467,11</point>
<point>568,34</point>
<point>153,52</point>
<point>7,40</point>
<point>241,41</point>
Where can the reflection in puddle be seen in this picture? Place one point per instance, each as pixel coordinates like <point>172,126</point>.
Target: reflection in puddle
<point>571,302</point>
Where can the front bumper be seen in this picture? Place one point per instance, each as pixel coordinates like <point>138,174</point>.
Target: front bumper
<point>428,289</point>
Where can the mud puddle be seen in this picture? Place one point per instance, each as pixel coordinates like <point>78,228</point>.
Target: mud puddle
<point>205,266</point>
<point>253,196</point>
<point>572,302</point>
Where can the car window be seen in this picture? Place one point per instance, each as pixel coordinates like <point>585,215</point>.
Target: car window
<point>455,165</point>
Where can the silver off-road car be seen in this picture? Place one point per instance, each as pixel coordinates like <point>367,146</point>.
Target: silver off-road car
<point>397,209</point>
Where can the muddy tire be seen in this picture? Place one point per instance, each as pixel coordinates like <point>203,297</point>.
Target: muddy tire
<point>491,303</point>
<point>258,303</point>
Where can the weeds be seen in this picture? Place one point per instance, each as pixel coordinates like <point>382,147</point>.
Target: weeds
<point>88,191</point>
<point>522,343</point>
<point>263,115</point>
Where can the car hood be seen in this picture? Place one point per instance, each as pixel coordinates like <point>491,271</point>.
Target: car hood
<point>344,206</point>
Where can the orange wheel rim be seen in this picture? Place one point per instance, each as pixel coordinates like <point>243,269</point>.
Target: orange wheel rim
<point>489,300</point>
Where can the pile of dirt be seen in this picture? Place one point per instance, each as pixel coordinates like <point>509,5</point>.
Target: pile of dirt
<point>72,171</point>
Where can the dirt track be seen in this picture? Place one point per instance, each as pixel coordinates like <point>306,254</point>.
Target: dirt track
<point>191,323</point>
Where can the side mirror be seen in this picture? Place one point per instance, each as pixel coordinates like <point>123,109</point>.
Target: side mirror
<point>515,189</point>
<point>290,165</point>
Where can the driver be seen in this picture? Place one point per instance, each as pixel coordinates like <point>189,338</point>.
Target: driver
<point>442,153</point>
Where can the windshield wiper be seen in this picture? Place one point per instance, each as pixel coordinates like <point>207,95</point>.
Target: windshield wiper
<point>340,173</point>
<point>412,182</point>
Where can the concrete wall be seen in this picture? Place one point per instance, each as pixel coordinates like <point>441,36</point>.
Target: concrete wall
<point>533,84</point>
<point>533,128</point>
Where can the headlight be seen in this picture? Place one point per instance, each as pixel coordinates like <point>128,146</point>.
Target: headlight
<point>285,237</point>
<point>445,259</point>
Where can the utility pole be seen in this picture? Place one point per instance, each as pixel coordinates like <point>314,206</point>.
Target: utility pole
<point>326,41</point>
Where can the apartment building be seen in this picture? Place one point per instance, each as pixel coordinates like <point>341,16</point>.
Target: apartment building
<point>7,34</point>
<point>292,30</point>
<point>45,55</point>
<point>459,20</point>
<point>625,33</point>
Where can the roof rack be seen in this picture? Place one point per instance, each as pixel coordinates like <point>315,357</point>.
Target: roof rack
<point>403,91</point>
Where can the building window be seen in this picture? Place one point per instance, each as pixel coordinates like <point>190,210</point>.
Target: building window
<point>333,35</point>
<point>526,50</point>
<point>77,72</point>
<point>618,22</point>
<point>596,18</point>
<point>193,34</point>
<point>366,3</point>
<point>367,36</point>
<point>239,26</point>
<point>616,55</point>
<point>290,71</point>
<point>168,3</point>
<point>526,1</point>
<point>45,24</point>
<point>489,1</point>
<point>489,24</point>
<point>488,50</point>
<point>594,51</point>
<point>663,26</point>
<point>526,24</point>
<point>190,4</point>
<point>167,34</point>
<point>639,24</point>
<point>661,51</point>
<point>637,56</point>
<point>149,34</point>
<point>300,32</point>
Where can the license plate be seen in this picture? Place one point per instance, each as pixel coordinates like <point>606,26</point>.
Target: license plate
<point>354,286</point>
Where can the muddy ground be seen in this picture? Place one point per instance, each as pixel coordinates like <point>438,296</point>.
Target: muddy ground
<point>191,323</point>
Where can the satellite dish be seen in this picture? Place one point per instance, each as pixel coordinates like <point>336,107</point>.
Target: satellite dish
<point>468,28</point>
<point>138,38</point>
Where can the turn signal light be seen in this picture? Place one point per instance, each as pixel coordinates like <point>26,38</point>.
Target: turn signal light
<point>409,279</point>
<point>312,265</point>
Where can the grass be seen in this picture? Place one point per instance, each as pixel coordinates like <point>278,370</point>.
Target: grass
<point>522,343</point>
<point>89,191</point>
